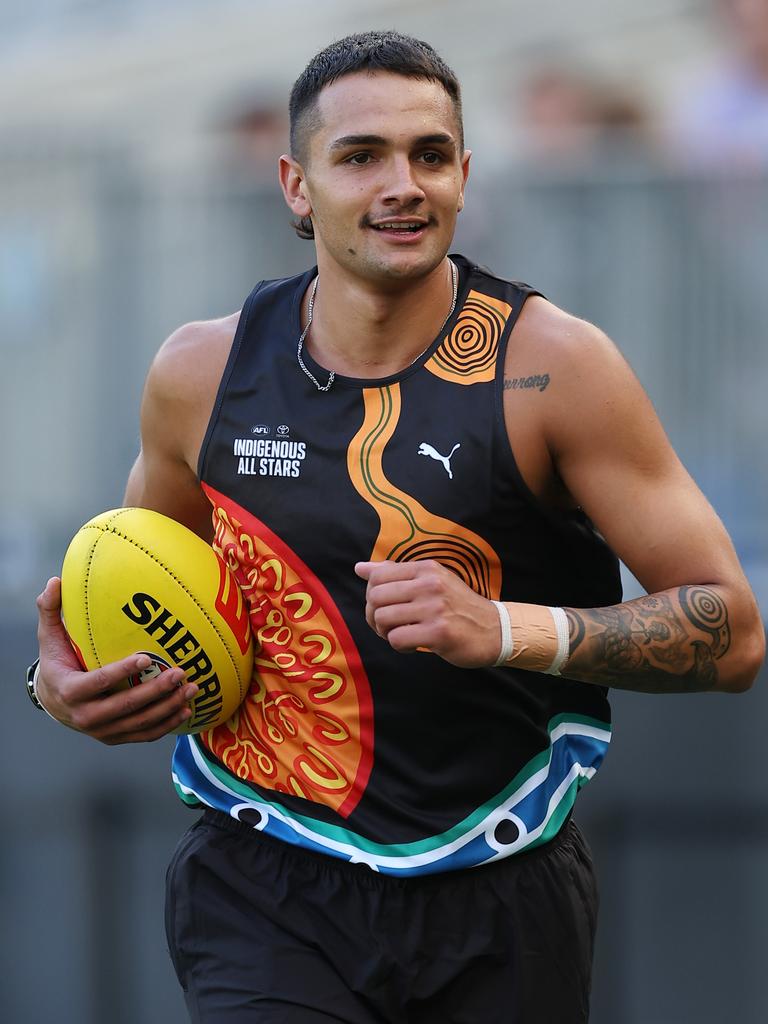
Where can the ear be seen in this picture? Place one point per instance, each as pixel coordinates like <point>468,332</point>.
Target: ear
<point>464,175</point>
<point>294,186</point>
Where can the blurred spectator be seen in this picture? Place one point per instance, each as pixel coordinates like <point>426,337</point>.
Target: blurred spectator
<point>572,120</point>
<point>256,133</point>
<point>723,122</point>
<point>559,115</point>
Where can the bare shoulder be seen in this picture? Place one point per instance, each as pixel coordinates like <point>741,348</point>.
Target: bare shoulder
<point>555,334</point>
<point>182,385</point>
<point>586,378</point>
<point>191,360</point>
<point>567,388</point>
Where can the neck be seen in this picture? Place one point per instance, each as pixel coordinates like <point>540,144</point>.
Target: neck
<point>360,330</point>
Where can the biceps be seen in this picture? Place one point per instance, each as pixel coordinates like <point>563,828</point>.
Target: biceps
<point>134,488</point>
<point>614,457</point>
<point>169,486</point>
<point>656,520</point>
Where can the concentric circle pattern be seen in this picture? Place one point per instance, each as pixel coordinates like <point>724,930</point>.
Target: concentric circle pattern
<point>468,354</point>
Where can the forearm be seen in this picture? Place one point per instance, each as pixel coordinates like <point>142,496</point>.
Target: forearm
<point>686,639</point>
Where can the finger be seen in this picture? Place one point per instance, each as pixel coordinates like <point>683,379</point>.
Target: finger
<point>381,572</point>
<point>120,703</point>
<point>364,569</point>
<point>383,615</point>
<point>384,595</point>
<point>83,686</point>
<point>150,718</point>
<point>370,617</point>
<point>394,615</point>
<point>388,582</point>
<point>410,638</point>
<point>50,598</point>
<point>380,595</point>
<point>148,734</point>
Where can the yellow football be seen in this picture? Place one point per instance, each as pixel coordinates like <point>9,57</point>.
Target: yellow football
<point>136,581</point>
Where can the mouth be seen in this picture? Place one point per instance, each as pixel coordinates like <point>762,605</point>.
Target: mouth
<point>400,229</point>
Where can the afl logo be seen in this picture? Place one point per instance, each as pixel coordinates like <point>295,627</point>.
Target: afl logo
<point>260,428</point>
<point>282,430</point>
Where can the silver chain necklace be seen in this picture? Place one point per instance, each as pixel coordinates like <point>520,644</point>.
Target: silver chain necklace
<point>332,373</point>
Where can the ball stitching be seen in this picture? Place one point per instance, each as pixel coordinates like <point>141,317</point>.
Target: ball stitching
<point>108,528</point>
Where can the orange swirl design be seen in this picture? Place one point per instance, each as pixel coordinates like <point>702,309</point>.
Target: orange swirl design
<point>408,531</point>
<point>468,354</point>
<point>306,726</point>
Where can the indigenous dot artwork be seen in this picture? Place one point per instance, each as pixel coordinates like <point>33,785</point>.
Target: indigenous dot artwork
<point>305,727</point>
<point>468,354</point>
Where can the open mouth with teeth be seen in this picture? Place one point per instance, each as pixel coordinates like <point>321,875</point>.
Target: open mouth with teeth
<point>412,227</point>
<point>401,230</point>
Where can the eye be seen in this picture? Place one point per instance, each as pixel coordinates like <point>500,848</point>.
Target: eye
<point>359,159</point>
<point>431,157</point>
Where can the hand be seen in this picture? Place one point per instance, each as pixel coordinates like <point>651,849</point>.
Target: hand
<point>91,702</point>
<point>423,605</point>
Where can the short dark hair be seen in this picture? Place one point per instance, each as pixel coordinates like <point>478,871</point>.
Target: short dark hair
<point>365,51</point>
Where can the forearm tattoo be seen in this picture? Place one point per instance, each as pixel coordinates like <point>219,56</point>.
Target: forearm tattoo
<point>669,642</point>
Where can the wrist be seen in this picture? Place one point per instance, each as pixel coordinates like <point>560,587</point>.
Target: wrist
<point>33,679</point>
<point>533,637</point>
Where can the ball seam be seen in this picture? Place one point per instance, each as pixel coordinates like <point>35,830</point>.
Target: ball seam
<point>91,638</point>
<point>108,528</point>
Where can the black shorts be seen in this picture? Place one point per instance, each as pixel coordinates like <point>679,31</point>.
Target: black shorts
<point>260,930</point>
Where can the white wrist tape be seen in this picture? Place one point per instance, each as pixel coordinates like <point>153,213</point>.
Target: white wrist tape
<point>538,642</point>
<point>507,644</point>
<point>563,644</point>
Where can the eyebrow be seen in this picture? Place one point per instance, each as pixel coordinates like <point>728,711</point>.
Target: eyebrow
<point>345,141</point>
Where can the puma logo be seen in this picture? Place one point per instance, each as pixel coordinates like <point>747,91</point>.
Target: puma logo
<point>427,449</point>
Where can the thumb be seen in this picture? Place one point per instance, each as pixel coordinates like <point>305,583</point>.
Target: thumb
<point>49,602</point>
<point>51,634</point>
<point>364,569</point>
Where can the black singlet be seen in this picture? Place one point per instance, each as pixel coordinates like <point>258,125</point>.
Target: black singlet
<point>402,762</point>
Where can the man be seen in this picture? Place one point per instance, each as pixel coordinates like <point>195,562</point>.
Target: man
<point>404,456</point>
<point>722,121</point>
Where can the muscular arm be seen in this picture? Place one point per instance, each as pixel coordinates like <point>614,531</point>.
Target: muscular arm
<point>177,403</point>
<point>178,398</point>
<point>663,643</point>
<point>591,438</point>
<point>699,627</point>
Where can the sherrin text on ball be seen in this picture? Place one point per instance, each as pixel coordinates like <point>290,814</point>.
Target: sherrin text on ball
<point>135,581</point>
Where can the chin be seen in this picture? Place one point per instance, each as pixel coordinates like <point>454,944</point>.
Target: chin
<point>404,266</point>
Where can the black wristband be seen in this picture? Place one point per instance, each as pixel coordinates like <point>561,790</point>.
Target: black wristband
<point>32,672</point>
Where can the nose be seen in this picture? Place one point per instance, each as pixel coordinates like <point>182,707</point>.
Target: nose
<point>401,188</point>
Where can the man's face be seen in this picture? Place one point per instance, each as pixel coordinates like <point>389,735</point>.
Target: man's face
<point>384,178</point>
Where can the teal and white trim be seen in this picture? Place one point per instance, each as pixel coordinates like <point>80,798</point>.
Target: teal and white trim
<point>528,812</point>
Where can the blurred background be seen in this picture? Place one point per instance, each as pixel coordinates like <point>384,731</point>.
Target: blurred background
<point>621,166</point>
